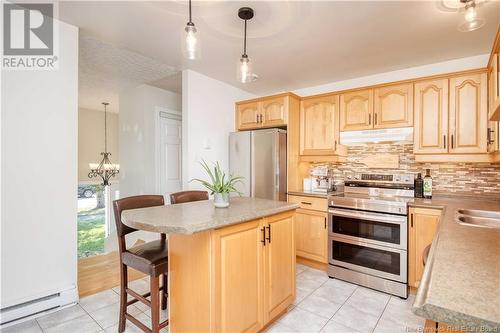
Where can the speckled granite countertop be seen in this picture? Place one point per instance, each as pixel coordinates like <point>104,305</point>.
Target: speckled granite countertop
<point>461,281</point>
<point>191,217</point>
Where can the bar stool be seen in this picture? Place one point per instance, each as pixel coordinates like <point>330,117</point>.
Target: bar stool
<point>188,196</point>
<point>150,258</point>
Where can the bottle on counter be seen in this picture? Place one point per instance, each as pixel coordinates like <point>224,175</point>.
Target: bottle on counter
<point>419,186</point>
<point>428,184</point>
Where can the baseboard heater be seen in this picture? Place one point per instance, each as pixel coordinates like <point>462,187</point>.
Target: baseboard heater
<point>37,306</point>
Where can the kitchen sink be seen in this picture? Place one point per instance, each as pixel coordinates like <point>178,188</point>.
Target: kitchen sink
<point>479,218</point>
<point>480,213</point>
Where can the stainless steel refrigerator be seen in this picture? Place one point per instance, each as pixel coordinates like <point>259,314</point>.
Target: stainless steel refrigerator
<point>260,157</point>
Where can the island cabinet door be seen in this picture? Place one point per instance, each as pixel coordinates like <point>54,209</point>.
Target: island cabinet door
<point>279,265</point>
<point>238,277</point>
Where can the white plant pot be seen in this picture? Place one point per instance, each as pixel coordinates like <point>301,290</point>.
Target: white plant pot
<point>221,200</point>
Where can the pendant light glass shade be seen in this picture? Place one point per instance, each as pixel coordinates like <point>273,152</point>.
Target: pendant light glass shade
<point>244,69</point>
<point>471,20</point>
<point>190,43</point>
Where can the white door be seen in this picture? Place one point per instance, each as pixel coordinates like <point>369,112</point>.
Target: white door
<point>170,154</point>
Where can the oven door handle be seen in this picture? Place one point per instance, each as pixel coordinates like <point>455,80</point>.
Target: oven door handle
<point>393,219</point>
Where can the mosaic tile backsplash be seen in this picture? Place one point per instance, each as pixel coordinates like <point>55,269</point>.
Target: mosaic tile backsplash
<point>448,178</point>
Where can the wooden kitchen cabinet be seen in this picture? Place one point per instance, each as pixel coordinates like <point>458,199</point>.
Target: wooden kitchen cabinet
<point>431,117</point>
<point>265,112</point>
<point>254,281</point>
<point>274,112</point>
<point>468,114</point>
<point>319,125</point>
<point>453,128</point>
<point>236,278</point>
<point>356,110</point>
<point>248,115</point>
<point>393,106</point>
<point>311,235</point>
<point>279,265</point>
<point>422,227</point>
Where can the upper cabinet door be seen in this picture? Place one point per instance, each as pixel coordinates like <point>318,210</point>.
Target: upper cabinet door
<point>468,114</point>
<point>248,115</point>
<point>356,110</point>
<point>394,106</point>
<point>274,112</point>
<point>319,118</point>
<point>430,134</point>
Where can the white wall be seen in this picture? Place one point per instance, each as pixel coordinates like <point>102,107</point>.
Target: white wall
<point>39,177</point>
<point>403,74</point>
<point>137,137</point>
<point>91,140</point>
<point>208,118</point>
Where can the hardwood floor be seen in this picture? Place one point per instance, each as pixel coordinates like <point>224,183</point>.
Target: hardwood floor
<point>101,272</point>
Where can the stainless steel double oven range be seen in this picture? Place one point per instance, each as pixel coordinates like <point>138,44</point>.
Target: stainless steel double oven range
<point>368,232</point>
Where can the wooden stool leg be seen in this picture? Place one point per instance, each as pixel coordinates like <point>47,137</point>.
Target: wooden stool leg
<point>164,293</point>
<point>155,304</point>
<point>123,297</point>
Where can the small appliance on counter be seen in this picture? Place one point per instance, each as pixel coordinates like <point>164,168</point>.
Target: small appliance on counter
<point>322,179</point>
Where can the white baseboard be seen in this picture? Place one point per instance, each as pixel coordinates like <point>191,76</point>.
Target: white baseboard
<point>36,307</point>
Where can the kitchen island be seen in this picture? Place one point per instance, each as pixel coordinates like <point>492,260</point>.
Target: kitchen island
<point>230,269</point>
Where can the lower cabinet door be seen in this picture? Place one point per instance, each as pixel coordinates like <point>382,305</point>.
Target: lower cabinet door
<point>239,283</point>
<point>422,229</point>
<point>311,235</point>
<point>279,266</point>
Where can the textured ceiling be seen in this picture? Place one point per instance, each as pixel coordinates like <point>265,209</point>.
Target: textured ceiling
<point>106,70</point>
<point>292,44</point>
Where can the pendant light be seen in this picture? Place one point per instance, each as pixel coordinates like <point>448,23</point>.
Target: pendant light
<point>245,73</point>
<point>191,44</point>
<point>471,20</point>
<point>105,169</point>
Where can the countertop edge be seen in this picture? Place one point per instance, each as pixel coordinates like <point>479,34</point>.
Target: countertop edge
<point>189,231</point>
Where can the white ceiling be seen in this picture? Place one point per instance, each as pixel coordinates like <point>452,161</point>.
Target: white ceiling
<point>293,44</point>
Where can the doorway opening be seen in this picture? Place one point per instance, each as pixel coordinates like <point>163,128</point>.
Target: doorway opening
<point>91,220</point>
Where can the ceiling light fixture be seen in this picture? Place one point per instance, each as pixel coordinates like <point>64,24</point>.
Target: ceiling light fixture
<point>245,74</point>
<point>191,47</point>
<point>105,169</point>
<point>472,21</point>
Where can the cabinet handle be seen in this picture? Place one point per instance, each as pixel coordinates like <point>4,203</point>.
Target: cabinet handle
<point>263,235</point>
<point>257,116</point>
<point>325,222</point>
<point>260,118</point>
<point>452,141</point>
<point>335,145</point>
<point>489,136</point>
<point>305,203</point>
<point>444,140</point>
<point>269,234</point>
<point>369,119</point>
<point>411,220</point>
<point>375,119</point>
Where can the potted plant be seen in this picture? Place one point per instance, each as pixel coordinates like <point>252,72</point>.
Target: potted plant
<point>219,185</point>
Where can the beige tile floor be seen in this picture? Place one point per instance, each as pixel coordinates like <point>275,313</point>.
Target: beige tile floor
<point>322,305</point>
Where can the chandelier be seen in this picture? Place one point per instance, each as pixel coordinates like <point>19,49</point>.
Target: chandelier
<point>105,169</point>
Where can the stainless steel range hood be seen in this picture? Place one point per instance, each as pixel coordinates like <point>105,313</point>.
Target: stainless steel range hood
<point>354,138</point>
